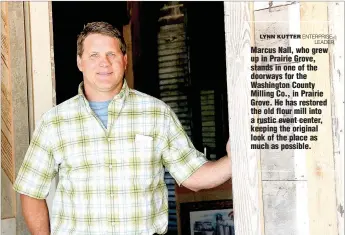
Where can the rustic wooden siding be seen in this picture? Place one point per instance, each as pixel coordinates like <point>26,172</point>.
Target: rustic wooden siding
<point>246,181</point>
<point>336,27</point>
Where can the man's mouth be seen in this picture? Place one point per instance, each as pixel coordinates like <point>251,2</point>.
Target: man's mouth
<point>105,73</point>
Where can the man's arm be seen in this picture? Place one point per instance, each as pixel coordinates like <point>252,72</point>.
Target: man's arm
<point>211,174</point>
<point>36,215</point>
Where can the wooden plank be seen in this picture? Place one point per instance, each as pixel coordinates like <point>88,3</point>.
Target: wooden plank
<point>8,197</point>
<point>179,80</point>
<point>245,180</point>
<point>7,141</point>
<point>8,226</point>
<point>171,19</point>
<point>41,56</point>
<point>171,6</point>
<point>172,75</point>
<point>172,45</point>
<point>174,98</point>
<point>300,170</point>
<point>260,196</point>
<point>172,69</point>
<point>20,102</point>
<point>41,67</point>
<point>336,27</point>
<point>52,61</point>
<point>174,51</point>
<point>320,161</point>
<point>173,33</point>
<point>172,28</point>
<point>127,35</point>
<point>172,93</point>
<point>180,62</point>
<point>172,57</point>
<point>178,38</point>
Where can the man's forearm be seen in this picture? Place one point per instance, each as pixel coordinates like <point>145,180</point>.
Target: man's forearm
<point>210,175</point>
<point>36,215</point>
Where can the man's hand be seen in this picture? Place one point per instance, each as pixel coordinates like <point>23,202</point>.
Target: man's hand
<point>228,147</point>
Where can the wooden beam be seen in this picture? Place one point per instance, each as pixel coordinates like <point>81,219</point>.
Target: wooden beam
<point>41,73</point>
<point>246,181</point>
<point>259,160</point>
<point>41,58</point>
<point>336,27</point>
<point>8,197</point>
<point>320,161</point>
<point>127,34</point>
<point>19,61</point>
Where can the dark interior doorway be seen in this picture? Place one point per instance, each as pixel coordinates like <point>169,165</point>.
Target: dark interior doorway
<point>69,19</point>
<point>204,27</point>
<point>206,42</point>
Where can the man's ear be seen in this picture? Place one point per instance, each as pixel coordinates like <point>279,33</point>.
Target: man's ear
<point>80,67</point>
<point>125,60</point>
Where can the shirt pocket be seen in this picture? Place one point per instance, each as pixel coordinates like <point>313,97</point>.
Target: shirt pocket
<point>143,147</point>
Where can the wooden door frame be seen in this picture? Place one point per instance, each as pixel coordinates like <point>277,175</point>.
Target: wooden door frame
<point>40,67</point>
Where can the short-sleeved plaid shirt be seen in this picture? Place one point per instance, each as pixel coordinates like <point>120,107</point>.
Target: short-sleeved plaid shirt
<point>111,180</point>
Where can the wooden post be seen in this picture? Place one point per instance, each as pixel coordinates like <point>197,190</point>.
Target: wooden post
<point>246,181</point>
<point>8,201</point>
<point>320,160</point>
<point>336,27</point>
<point>41,91</point>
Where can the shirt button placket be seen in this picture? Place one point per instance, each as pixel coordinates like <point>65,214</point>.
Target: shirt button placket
<point>113,228</point>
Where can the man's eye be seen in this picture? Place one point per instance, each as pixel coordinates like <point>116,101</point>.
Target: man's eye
<point>111,55</point>
<point>93,55</point>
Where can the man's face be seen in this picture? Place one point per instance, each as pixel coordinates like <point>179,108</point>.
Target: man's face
<point>103,65</point>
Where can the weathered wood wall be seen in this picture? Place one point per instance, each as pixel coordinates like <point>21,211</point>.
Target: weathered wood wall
<point>8,207</point>
<point>246,175</point>
<point>320,160</point>
<point>294,185</point>
<point>336,27</point>
<point>283,172</point>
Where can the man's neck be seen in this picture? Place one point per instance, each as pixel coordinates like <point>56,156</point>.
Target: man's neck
<point>100,96</point>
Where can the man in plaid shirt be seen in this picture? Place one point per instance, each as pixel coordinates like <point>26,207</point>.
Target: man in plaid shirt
<point>110,145</point>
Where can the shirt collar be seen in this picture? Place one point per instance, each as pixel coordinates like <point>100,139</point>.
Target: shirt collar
<point>121,96</point>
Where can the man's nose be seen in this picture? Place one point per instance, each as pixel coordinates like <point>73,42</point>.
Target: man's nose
<point>104,62</point>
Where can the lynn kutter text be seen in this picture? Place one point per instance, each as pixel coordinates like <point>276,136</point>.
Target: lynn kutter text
<point>318,38</point>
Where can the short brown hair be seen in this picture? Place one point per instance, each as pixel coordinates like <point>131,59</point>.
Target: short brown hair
<point>103,28</point>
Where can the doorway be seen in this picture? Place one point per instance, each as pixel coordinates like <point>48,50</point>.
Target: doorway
<point>69,19</point>
<point>203,112</point>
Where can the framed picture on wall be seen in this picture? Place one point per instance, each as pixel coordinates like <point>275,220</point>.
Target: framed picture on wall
<point>207,218</point>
